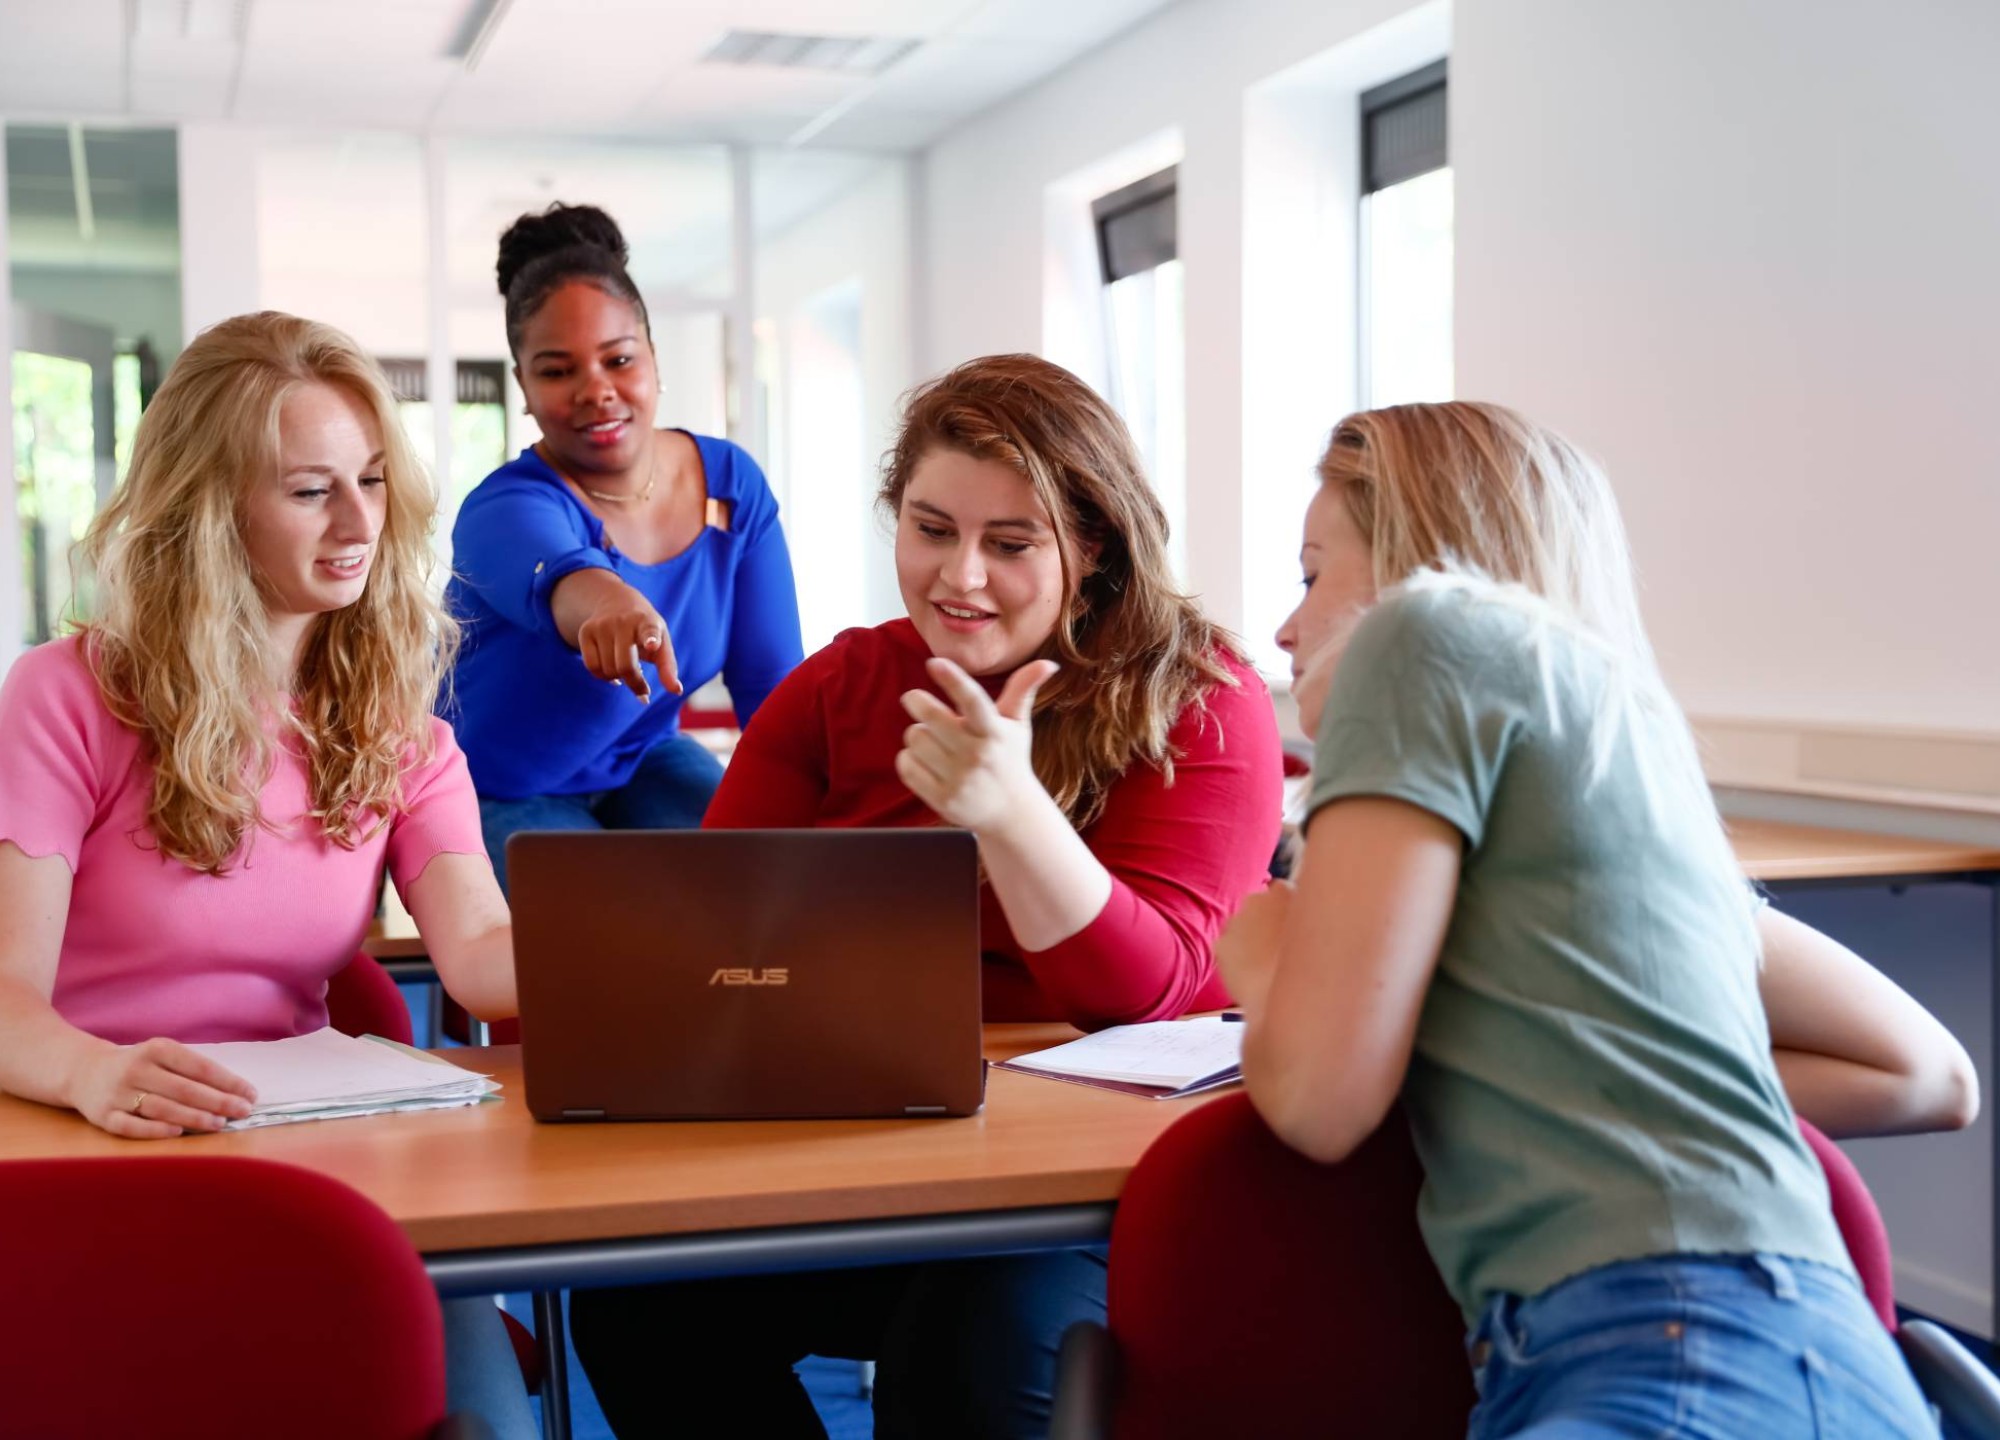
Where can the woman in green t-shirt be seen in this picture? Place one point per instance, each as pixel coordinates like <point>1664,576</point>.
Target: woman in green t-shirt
<point>1517,909</point>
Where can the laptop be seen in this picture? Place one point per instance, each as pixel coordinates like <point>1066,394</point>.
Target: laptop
<point>747,974</point>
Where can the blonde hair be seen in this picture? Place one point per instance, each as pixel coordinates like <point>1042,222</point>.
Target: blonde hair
<point>1134,651</point>
<point>182,649</point>
<point>1475,497</point>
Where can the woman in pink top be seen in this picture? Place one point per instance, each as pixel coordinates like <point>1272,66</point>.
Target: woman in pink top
<point>200,790</point>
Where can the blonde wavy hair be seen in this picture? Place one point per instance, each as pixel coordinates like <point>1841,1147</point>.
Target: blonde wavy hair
<point>182,649</point>
<point>1477,498</point>
<point>1134,651</point>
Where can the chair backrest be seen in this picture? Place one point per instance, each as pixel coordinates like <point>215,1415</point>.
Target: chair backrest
<point>186,1296</point>
<point>363,1000</point>
<point>1860,1223</point>
<point>1254,1292</point>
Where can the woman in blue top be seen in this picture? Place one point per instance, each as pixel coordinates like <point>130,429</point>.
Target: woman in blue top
<point>609,569</point>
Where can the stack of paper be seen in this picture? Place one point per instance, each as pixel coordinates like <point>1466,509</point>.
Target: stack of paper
<point>1165,1059</point>
<point>327,1075</point>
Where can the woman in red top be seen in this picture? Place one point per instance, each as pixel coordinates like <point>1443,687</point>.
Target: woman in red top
<point>1053,692</point>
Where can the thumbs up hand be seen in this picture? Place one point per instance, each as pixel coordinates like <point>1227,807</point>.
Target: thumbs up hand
<point>972,760</point>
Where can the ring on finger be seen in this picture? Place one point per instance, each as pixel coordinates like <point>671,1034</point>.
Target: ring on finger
<point>139,1101</point>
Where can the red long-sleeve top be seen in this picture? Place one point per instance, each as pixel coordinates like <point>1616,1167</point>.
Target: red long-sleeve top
<point>822,751</point>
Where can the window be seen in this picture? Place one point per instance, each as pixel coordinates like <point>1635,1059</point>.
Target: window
<point>1145,328</point>
<point>478,422</point>
<point>1406,241</point>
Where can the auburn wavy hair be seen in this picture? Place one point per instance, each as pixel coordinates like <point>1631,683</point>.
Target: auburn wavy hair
<point>182,649</point>
<point>1135,652</point>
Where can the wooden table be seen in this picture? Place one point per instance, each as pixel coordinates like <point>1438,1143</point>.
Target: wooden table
<point>495,1201</point>
<point>1776,853</point>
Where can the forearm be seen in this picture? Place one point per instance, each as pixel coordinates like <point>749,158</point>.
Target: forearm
<point>576,598</point>
<point>479,974</point>
<point>1848,1098</point>
<point>41,1053</point>
<point>1047,881</point>
<point>1857,1055</point>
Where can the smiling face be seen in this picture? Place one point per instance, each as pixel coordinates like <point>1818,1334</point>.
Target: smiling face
<point>1339,571</point>
<point>310,527</point>
<point>978,563</point>
<point>587,372</point>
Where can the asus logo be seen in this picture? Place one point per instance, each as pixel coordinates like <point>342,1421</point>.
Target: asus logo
<point>727,976</point>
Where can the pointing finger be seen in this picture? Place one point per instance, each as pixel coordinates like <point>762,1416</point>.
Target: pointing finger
<point>660,650</point>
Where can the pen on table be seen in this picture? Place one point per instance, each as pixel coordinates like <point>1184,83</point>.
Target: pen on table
<point>1236,1015</point>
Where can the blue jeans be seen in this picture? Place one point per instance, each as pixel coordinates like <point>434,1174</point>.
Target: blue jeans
<point>669,791</point>
<point>481,1374</point>
<point>1733,1347</point>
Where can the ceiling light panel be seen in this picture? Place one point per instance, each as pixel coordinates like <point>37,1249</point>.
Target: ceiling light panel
<point>842,54</point>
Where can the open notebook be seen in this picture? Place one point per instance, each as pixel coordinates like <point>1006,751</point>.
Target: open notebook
<point>327,1076</point>
<point>1164,1059</point>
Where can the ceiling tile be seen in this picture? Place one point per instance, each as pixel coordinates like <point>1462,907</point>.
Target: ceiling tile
<point>1062,22</point>
<point>181,97</point>
<point>73,88</point>
<point>558,67</point>
<point>964,75</point>
<point>367,30</point>
<point>387,98</point>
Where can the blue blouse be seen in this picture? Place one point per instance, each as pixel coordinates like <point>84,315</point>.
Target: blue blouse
<point>530,718</point>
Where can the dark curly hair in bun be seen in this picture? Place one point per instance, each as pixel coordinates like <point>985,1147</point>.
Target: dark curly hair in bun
<point>540,254</point>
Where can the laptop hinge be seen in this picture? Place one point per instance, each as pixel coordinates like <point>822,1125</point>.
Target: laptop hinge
<point>583,1114</point>
<point>923,1110</point>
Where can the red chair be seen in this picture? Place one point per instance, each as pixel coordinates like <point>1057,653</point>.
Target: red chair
<point>1951,1379</point>
<point>363,1000</point>
<point>1236,1267</point>
<point>211,1297</point>
<point>1254,1292</point>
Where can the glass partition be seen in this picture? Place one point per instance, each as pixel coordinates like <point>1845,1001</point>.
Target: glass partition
<point>94,265</point>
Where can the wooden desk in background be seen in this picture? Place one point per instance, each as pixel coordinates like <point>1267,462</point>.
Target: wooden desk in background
<point>1783,854</point>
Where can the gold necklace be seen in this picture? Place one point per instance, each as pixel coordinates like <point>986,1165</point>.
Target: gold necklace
<point>652,479</point>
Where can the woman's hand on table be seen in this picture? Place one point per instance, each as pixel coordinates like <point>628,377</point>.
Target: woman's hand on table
<point>623,630</point>
<point>1247,951</point>
<point>157,1089</point>
<point>972,760</point>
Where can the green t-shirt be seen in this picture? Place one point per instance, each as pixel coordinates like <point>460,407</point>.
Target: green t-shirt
<point>1592,1079</point>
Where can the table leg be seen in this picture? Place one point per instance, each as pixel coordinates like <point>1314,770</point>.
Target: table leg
<point>1993,1123</point>
<point>555,1364</point>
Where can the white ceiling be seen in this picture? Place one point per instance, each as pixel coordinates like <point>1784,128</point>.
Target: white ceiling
<point>553,68</point>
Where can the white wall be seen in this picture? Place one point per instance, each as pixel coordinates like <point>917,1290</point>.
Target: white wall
<point>1747,254</point>
<point>1188,72</point>
<point>860,239</point>
<point>218,180</point>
